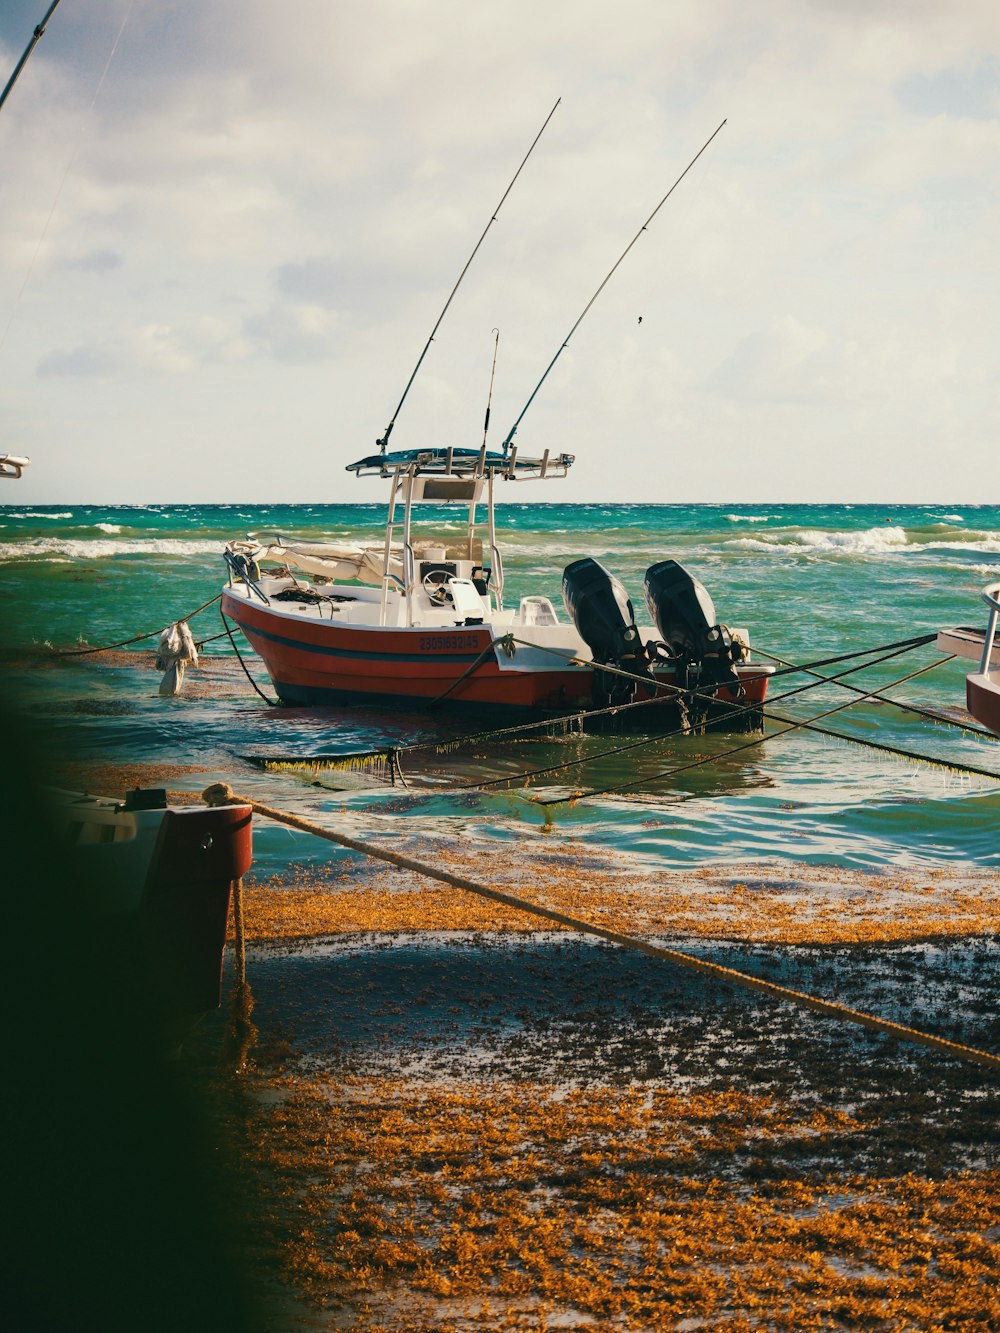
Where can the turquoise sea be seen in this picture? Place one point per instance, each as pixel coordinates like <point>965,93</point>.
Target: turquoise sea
<point>808,582</point>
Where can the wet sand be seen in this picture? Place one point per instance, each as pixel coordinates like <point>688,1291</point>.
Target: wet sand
<point>455,1120</point>
<point>459,1121</point>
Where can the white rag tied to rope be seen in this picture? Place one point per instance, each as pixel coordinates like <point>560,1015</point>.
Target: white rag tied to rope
<point>174,650</point>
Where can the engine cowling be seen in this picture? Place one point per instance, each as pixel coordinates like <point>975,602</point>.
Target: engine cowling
<point>600,608</point>
<point>685,617</point>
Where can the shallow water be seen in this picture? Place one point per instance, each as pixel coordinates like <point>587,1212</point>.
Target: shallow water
<point>809,582</point>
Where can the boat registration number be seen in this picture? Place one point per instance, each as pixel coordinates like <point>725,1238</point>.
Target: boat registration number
<point>450,643</point>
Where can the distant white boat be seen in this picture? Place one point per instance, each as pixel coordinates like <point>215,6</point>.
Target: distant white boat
<point>12,466</point>
<point>982,687</point>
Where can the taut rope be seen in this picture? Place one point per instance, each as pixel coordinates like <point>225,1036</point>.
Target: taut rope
<point>221,794</point>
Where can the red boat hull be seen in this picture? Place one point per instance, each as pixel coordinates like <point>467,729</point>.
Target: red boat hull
<point>184,908</point>
<point>317,662</point>
<point>982,698</point>
<point>322,663</point>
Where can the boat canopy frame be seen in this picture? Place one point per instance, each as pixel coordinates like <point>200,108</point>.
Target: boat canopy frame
<point>11,465</point>
<point>448,475</point>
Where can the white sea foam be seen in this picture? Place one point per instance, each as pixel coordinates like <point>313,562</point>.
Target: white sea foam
<point>748,518</point>
<point>59,549</point>
<point>813,541</point>
<point>988,543</point>
<point>557,550</point>
<point>867,542</point>
<point>108,527</point>
<point>32,513</point>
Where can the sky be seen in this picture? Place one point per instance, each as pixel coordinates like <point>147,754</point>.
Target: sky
<point>227,228</point>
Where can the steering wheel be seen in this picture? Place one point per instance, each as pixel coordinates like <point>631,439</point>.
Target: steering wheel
<point>435,583</point>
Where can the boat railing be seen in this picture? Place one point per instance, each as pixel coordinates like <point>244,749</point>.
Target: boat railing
<point>239,570</point>
<point>409,575</point>
<point>496,566</point>
<point>991,596</point>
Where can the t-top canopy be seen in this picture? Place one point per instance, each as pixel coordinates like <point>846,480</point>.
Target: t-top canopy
<point>462,463</point>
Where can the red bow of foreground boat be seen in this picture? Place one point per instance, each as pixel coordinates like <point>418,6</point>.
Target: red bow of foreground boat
<point>160,879</point>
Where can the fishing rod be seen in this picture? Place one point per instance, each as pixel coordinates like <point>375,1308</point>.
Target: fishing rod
<point>489,400</point>
<point>565,343</point>
<point>36,37</point>
<point>388,430</point>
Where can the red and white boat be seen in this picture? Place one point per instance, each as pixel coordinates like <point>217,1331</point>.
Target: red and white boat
<point>982,687</point>
<point>426,621</point>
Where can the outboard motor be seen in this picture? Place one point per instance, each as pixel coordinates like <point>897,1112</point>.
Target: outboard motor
<point>599,607</point>
<point>685,616</point>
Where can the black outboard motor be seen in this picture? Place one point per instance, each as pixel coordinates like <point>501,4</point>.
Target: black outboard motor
<point>685,616</point>
<point>599,607</point>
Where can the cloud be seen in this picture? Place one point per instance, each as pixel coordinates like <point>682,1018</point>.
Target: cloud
<point>781,363</point>
<point>96,261</point>
<point>294,333</point>
<point>275,202</point>
<point>76,361</point>
<point>160,348</point>
<point>972,91</point>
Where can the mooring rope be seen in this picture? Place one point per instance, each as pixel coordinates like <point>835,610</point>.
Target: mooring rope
<point>273,703</point>
<point>917,641</point>
<point>735,711</point>
<point>897,750</point>
<point>200,643</point>
<point>747,745</point>
<point>384,759</point>
<point>884,698</point>
<point>487,652</point>
<point>138,638</point>
<point>219,793</point>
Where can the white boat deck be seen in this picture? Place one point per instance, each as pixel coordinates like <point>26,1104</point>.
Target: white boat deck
<point>964,641</point>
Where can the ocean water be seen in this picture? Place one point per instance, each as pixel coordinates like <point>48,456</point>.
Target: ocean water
<point>808,582</point>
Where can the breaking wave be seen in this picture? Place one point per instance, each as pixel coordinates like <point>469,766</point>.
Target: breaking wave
<point>33,513</point>
<point>987,544</point>
<point>812,541</point>
<point>57,549</point>
<point>874,542</point>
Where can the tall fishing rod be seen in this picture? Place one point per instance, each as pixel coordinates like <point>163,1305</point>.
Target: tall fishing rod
<point>36,37</point>
<point>489,399</point>
<point>565,343</point>
<point>388,430</point>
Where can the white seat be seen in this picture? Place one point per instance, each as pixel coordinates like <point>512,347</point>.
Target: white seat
<point>468,603</point>
<point>538,611</point>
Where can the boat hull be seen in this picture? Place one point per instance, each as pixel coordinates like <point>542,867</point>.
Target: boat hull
<point>315,662</point>
<point>318,663</point>
<point>160,881</point>
<point>982,687</point>
<point>982,698</point>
